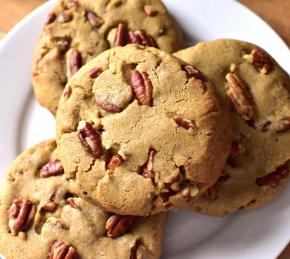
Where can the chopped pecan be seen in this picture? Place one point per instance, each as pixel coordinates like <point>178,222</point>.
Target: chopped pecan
<point>61,250</point>
<point>95,72</point>
<point>142,87</point>
<point>273,179</point>
<point>211,193</point>
<point>72,203</point>
<point>73,63</point>
<point>193,72</point>
<point>94,19</point>
<point>118,225</point>
<point>147,169</point>
<point>50,18</point>
<point>150,10</point>
<point>91,140</point>
<point>240,96</point>
<point>115,161</point>
<point>142,38</point>
<point>65,17</point>
<point>184,123</point>
<point>261,60</point>
<point>106,105</point>
<point>52,168</point>
<point>134,250</point>
<point>23,211</point>
<point>67,92</point>
<point>49,207</point>
<point>121,35</point>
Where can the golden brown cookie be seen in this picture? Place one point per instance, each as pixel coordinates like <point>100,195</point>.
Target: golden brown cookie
<point>41,217</point>
<point>256,91</point>
<point>141,132</point>
<point>77,30</point>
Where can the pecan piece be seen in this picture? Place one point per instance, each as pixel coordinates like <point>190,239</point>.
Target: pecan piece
<point>134,250</point>
<point>91,140</point>
<point>52,168</point>
<point>95,72</point>
<point>23,211</point>
<point>94,19</point>
<point>184,123</point>
<point>72,203</point>
<point>49,207</point>
<point>73,62</point>
<point>118,225</point>
<point>193,72</point>
<point>240,96</point>
<point>50,18</point>
<point>121,35</point>
<point>65,17</point>
<point>260,60</point>
<point>150,10</point>
<point>142,87</point>
<point>143,38</point>
<point>106,105</point>
<point>147,169</point>
<point>211,193</point>
<point>61,250</point>
<point>115,161</point>
<point>273,179</point>
<point>63,43</point>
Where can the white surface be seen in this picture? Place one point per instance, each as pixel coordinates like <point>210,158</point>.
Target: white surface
<point>257,234</point>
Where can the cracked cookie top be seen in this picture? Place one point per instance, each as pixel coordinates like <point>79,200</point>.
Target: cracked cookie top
<point>42,217</point>
<point>77,30</point>
<point>141,132</point>
<point>256,91</point>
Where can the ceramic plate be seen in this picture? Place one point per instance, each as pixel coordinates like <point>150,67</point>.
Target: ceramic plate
<point>262,233</point>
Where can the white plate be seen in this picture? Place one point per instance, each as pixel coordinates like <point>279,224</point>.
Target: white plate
<point>262,233</point>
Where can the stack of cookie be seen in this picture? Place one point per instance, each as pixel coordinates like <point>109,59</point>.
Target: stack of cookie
<point>141,132</point>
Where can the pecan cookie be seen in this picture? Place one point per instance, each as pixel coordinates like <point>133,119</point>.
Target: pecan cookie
<point>141,132</point>
<point>77,30</point>
<point>40,217</point>
<point>256,91</point>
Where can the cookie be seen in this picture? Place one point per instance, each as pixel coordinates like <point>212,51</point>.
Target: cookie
<point>256,91</point>
<point>41,217</point>
<point>77,30</point>
<point>141,132</point>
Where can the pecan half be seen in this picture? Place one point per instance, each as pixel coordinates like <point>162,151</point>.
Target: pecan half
<point>95,72</point>
<point>61,250</point>
<point>150,10</point>
<point>260,60</point>
<point>94,19</point>
<point>211,193</point>
<point>50,18</point>
<point>184,123</point>
<point>273,179</point>
<point>115,161</point>
<point>147,169</point>
<point>52,168</point>
<point>118,225</point>
<point>142,87</point>
<point>72,203</point>
<point>73,62</point>
<point>23,211</point>
<point>240,96</point>
<point>121,35</point>
<point>91,140</point>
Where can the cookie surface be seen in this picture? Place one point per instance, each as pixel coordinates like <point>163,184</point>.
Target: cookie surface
<point>144,135</point>
<point>40,217</point>
<point>77,30</point>
<point>256,91</point>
